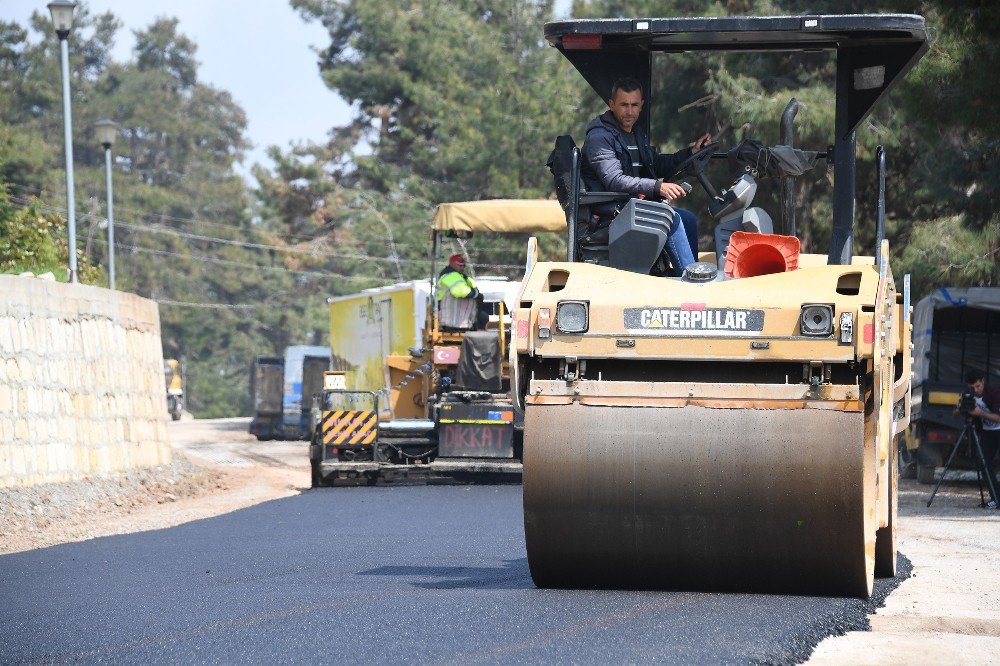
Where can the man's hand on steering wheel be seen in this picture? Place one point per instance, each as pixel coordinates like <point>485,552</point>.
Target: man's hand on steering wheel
<point>699,156</point>
<point>700,142</point>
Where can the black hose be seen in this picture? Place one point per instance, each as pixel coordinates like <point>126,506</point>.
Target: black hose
<point>574,208</point>
<point>788,183</point>
<point>880,211</point>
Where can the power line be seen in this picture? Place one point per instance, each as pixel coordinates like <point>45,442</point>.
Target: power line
<point>155,218</point>
<point>210,306</point>
<point>227,262</point>
<point>257,246</point>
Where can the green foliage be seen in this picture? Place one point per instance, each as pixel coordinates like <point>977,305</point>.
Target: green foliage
<point>454,101</point>
<point>27,238</point>
<point>939,128</point>
<point>452,88</point>
<point>175,191</point>
<point>945,252</point>
<point>31,241</point>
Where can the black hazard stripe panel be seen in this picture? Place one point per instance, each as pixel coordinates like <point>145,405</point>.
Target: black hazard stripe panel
<point>349,427</point>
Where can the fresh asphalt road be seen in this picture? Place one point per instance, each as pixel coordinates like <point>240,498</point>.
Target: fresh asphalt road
<point>415,574</point>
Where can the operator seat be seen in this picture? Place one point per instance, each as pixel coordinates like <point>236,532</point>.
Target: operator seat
<point>457,314</point>
<point>564,163</point>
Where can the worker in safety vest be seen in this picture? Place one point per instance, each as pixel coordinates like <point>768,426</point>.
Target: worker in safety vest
<point>453,280</point>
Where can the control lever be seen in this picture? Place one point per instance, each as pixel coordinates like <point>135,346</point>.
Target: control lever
<point>686,187</point>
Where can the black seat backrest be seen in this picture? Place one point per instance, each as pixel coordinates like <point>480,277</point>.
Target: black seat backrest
<point>479,362</point>
<point>560,163</point>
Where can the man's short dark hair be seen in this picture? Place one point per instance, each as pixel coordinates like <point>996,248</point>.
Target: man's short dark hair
<point>626,84</point>
<point>973,376</point>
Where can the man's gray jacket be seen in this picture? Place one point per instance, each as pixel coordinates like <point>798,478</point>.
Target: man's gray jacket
<point>607,166</point>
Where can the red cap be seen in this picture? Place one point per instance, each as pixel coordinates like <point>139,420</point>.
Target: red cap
<point>457,259</point>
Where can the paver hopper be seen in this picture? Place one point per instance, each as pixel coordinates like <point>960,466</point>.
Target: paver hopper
<point>711,431</point>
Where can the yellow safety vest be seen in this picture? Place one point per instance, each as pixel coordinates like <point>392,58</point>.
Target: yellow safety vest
<point>455,283</point>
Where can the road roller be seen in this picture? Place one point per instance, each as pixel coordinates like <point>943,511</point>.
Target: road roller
<point>731,428</point>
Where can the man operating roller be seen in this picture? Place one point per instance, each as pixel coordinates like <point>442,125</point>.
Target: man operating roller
<point>617,157</point>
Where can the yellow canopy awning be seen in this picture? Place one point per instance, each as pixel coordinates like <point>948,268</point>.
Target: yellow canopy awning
<point>507,216</point>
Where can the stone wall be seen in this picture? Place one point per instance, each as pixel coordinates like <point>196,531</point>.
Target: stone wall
<point>81,382</point>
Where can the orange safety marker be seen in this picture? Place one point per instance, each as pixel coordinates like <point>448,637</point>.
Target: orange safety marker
<point>750,255</point>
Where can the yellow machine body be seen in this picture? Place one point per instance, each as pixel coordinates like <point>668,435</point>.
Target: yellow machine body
<point>693,436</point>
<point>175,388</point>
<point>172,375</point>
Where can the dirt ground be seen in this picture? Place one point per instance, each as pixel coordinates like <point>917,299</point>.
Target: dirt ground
<point>948,611</point>
<point>218,467</point>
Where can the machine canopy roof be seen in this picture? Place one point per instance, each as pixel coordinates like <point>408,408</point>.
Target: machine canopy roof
<point>508,216</point>
<point>875,50</point>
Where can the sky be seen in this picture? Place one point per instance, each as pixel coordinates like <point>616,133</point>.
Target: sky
<point>264,55</point>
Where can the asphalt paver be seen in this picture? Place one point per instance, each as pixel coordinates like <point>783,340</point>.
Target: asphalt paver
<point>373,575</point>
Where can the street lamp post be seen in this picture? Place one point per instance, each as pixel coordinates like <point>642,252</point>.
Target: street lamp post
<point>106,132</point>
<point>62,20</point>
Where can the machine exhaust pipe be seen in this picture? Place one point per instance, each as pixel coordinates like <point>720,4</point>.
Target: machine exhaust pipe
<point>788,182</point>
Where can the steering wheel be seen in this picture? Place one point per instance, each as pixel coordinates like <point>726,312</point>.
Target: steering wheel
<point>697,161</point>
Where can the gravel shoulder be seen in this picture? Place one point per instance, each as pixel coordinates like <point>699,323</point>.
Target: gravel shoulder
<point>218,467</point>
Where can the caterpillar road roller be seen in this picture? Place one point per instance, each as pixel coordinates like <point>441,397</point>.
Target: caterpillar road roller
<point>732,428</point>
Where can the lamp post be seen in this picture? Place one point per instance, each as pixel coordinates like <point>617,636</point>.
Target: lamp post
<point>106,132</point>
<point>62,21</point>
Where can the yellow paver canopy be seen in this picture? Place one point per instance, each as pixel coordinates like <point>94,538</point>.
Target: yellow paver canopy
<point>501,215</point>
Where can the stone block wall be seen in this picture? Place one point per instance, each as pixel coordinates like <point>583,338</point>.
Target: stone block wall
<point>81,382</point>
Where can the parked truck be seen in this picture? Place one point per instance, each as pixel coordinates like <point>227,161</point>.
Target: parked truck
<point>267,374</point>
<point>954,330</point>
<point>283,390</point>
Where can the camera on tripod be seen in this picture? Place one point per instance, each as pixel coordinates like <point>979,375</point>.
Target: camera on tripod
<point>967,403</point>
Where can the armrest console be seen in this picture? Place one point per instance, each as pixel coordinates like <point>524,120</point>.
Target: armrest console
<point>592,198</point>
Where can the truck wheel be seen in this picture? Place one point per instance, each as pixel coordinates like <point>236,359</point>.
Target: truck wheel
<point>928,457</point>
<point>316,480</point>
<point>907,461</point>
<point>518,445</point>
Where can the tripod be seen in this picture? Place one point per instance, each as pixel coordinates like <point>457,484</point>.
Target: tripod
<point>982,469</point>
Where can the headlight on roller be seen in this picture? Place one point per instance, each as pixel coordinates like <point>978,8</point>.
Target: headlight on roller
<point>816,320</point>
<point>572,317</point>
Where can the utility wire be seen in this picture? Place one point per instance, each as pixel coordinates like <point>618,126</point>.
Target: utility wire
<point>227,262</point>
<point>157,218</point>
<point>257,246</point>
<point>212,306</point>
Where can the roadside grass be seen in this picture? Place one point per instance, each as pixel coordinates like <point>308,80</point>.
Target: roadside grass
<point>60,272</point>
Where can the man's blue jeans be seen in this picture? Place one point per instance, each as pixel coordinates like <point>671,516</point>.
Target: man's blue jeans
<point>682,241</point>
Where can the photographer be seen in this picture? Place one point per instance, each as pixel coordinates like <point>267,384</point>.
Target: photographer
<point>985,414</point>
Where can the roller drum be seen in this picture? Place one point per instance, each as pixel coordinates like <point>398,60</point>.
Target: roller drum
<point>768,500</point>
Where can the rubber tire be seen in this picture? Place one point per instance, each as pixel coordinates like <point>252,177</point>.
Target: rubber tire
<point>315,478</point>
<point>907,461</point>
<point>925,473</point>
